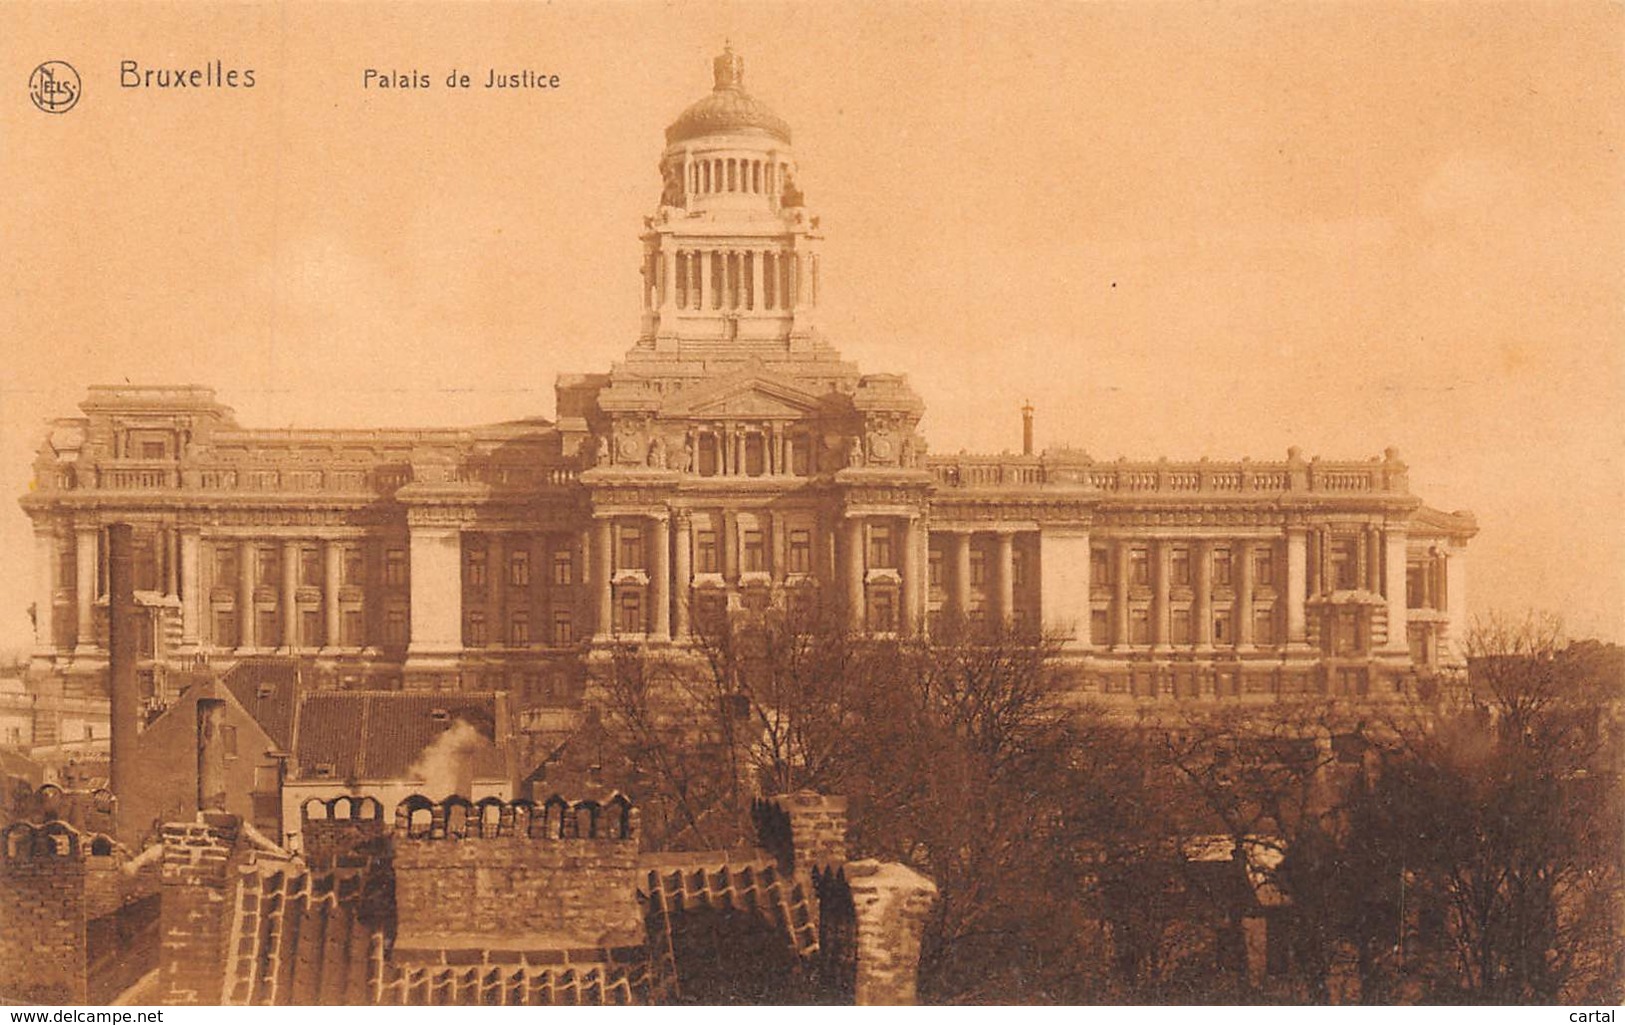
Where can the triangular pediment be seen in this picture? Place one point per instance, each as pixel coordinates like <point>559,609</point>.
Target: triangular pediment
<point>753,393</point>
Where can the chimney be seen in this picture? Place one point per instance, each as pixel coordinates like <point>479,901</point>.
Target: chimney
<point>123,622</point>
<point>211,755</point>
<point>1027,429</point>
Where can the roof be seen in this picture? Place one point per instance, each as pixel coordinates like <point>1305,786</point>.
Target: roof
<point>268,690</point>
<point>381,735</point>
<point>729,109</point>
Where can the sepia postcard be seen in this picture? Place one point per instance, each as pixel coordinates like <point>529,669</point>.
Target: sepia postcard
<point>812,503</point>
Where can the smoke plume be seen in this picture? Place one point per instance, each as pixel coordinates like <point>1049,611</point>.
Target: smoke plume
<point>446,766</point>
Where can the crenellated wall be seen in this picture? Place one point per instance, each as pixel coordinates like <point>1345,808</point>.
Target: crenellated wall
<point>560,874</point>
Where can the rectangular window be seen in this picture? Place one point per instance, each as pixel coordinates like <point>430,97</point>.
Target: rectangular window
<point>225,628</point>
<point>705,551</point>
<point>1344,565</point>
<point>474,567</point>
<point>755,560</point>
<point>475,631</point>
<point>519,629</point>
<point>1180,627</point>
<point>395,627</point>
<point>1179,567</point>
<point>1221,567</point>
<point>395,567</point>
<point>978,568</point>
<point>1018,568</point>
<point>225,565</point>
<point>154,450</point>
<point>1099,627</point>
<point>352,628</point>
<point>1415,586</point>
<point>310,628</point>
<point>564,631</point>
<point>1139,626</point>
<point>228,740</point>
<point>934,562</point>
<point>880,553</point>
<point>798,455</point>
<point>755,455</point>
<point>269,632</point>
<point>563,568</point>
<point>800,551</point>
<point>631,612</point>
<point>1222,632</point>
<point>1100,566</point>
<point>310,567</point>
<point>631,548</point>
<point>1264,626</point>
<point>353,566</point>
<point>519,568</point>
<point>269,566</point>
<point>882,610</point>
<point>1139,566</point>
<point>1264,567</point>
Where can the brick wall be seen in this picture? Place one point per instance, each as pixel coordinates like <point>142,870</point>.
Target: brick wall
<point>514,877</point>
<point>891,903</point>
<point>199,889</point>
<point>42,905</point>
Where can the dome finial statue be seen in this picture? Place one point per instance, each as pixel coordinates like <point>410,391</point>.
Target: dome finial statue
<point>729,69</point>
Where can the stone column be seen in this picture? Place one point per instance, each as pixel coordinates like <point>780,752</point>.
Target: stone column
<point>913,609</point>
<point>171,561</point>
<point>1297,567</point>
<point>892,903</point>
<point>1004,595</point>
<point>684,583</point>
<point>290,595</point>
<point>603,569</point>
<point>496,581</point>
<point>331,576</point>
<point>1202,596</point>
<point>730,546</point>
<point>1395,559</point>
<point>44,589</point>
<point>961,560</point>
<point>779,532</point>
<point>436,582</point>
<point>756,280</point>
<point>191,575</point>
<point>660,579</point>
<point>1120,624</point>
<point>855,610</point>
<point>86,538</point>
<point>1161,586</point>
<point>668,281</point>
<point>247,625</point>
<point>1243,569</point>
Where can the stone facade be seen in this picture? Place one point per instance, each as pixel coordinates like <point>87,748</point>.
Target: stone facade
<point>731,458</point>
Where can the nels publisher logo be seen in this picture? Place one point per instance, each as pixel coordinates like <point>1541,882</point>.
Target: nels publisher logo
<point>54,87</point>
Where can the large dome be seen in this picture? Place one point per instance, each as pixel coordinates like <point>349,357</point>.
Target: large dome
<point>729,109</point>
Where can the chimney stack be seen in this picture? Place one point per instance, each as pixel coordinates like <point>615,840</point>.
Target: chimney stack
<point>211,755</point>
<point>1027,429</point>
<point>123,622</point>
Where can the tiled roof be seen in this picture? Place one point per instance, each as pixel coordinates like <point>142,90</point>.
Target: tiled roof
<point>268,689</point>
<point>378,735</point>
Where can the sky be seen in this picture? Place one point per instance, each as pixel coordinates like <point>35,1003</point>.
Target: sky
<point>1177,229</point>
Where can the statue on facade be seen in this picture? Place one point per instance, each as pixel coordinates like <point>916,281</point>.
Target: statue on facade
<point>854,450</point>
<point>601,457</point>
<point>657,453</point>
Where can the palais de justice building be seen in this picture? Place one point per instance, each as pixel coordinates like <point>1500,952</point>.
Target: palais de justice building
<point>731,458</point>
